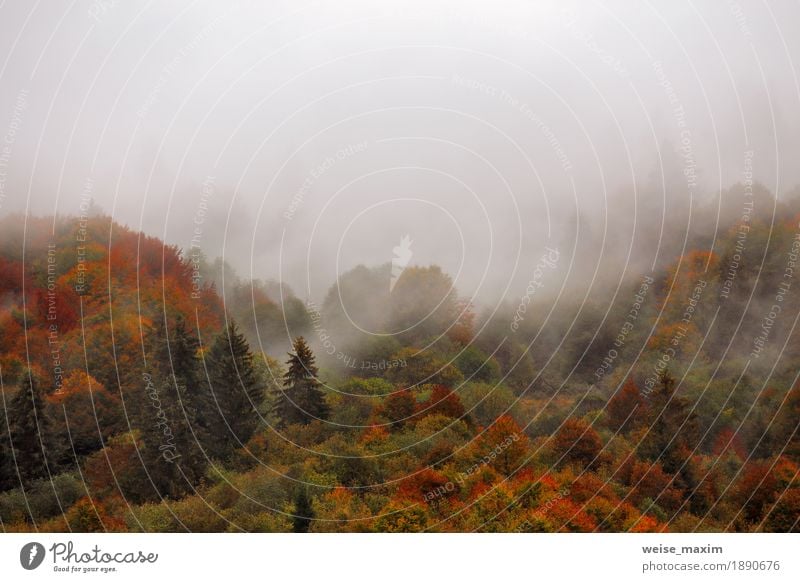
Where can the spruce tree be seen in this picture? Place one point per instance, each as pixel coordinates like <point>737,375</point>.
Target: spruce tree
<point>165,447</point>
<point>302,399</point>
<point>303,511</point>
<point>168,413</point>
<point>182,355</point>
<point>194,405</point>
<point>28,434</point>
<point>7,473</point>
<point>235,392</point>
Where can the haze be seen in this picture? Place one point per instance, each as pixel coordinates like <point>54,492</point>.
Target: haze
<point>298,140</point>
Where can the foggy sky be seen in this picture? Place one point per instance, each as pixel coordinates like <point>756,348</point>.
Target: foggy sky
<point>299,139</point>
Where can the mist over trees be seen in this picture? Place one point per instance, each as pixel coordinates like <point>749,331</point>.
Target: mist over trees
<point>152,403</point>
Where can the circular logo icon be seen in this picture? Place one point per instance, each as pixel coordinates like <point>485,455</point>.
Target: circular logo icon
<point>31,555</point>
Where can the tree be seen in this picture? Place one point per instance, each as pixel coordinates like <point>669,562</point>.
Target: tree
<point>181,356</point>
<point>755,490</point>
<point>624,406</point>
<point>117,470</point>
<point>462,332</point>
<point>341,510</point>
<point>477,366</point>
<point>783,433</point>
<point>422,367</point>
<point>168,412</point>
<point>422,304</point>
<point>84,409</point>
<point>8,477</point>
<point>427,486</point>
<point>503,445</point>
<point>234,391</point>
<point>195,407</point>
<point>782,517</point>
<point>577,442</point>
<point>399,407</point>
<point>485,402</point>
<point>24,445</point>
<point>303,511</point>
<point>302,399</point>
<point>673,428</point>
<point>443,401</point>
<point>91,515</point>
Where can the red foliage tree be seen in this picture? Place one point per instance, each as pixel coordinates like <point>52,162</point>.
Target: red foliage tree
<point>427,486</point>
<point>443,401</point>
<point>576,442</point>
<point>728,440</point>
<point>755,489</point>
<point>624,407</point>
<point>462,331</point>
<point>503,446</point>
<point>399,407</point>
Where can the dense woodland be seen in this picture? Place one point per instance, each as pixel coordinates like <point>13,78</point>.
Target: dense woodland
<point>136,398</point>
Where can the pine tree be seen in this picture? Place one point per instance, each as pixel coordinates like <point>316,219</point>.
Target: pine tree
<point>235,392</point>
<point>194,405</point>
<point>168,416</point>
<point>303,511</point>
<point>8,473</point>
<point>302,399</point>
<point>182,355</point>
<point>27,436</point>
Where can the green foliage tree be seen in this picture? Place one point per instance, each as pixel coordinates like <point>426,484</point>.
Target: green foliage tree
<point>302,399</point>
<point>423,304</point>
<point>486,402</point>
<point>8,476</point>
<point>171,413</point>
<point>25,450</point>
<point>234,390</point>
<point>477,366</point>
<point>423,367</point>
<point>673,427</point>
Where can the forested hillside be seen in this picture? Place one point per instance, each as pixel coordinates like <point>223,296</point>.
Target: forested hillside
<point>146,390</point>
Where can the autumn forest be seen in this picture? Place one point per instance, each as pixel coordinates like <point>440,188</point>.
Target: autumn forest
<point>149,389</point>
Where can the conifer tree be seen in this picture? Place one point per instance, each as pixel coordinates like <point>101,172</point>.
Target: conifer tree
<point>169,416</point>
<point>195,407</point>
<point>7,472</point>
<point>235,392</point>
<point>25,443</point>
<point>302,399</point>
<point>165,452</point>
<point>303,511</point>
